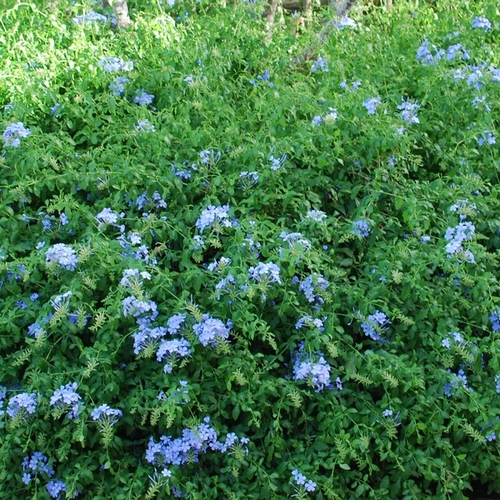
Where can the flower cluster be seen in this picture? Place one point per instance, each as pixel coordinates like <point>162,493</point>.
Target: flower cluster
<point>55,488</point>
<point>14,133</point>
<point>454,339</point>
<point>372,104</point>
<point>104,412</point>
<point>316,215</point>
<point>188,448</point>
<point>320,65</point>
<point>495,320</point>
<point>487,137</point>
<point>66,399</point>
<point>63,255</point>
<point>376,324</point>
<point>313,286</point>
<point>211,331</point>
<point>269,272</point>
<point>219,264</point>
<point>458,381</point>
<point>295,238</point>
<point>311,367</point>
<point>117,86</point>
<point>170,349</point>
<point>38,462</point>
<point>22,405</point>
<point>481,23</point>
<point>361,228</point>
<point>277,163</point>
<point>111,64</point>
<point>311,322</point>
<point>428,54</point>
<point>455,236</point>
<point>409,111</point>
<point>89,17</point>
<point>143,98</point>
<point>214,216</point>
<point>298,479</point>
<point>210,157</point>
<point>155,200</point>
<point>133,277</point>
<point>145,126</point>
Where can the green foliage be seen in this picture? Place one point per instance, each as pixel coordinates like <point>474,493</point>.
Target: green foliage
<point>353,212</point>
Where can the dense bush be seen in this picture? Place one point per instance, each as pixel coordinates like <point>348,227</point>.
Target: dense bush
<point>226,276</point>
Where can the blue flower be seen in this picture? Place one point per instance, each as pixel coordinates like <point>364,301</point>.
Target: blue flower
<point>104,412</point>
<point>214,215</point>
<point>14,133</point>
<point>371,105</point>
<point>211,331</point>
<point>481,23</point>
<point>38,462</point>
<point>495,320</point>
<point>409,111</point>
<point>63,255</point>
<point>56,488</point>
<point>90,17</point>
<point>117,86</point>
<point>143,98</point>
<point>486,137</point>
<point>316,121</point>
<point>313,284</point>
<point>320,65</point>
<point>375,325</point>
<point>66,398</point>
<point>111,64</point>
<point>361,228</point>
<point>22,404</point>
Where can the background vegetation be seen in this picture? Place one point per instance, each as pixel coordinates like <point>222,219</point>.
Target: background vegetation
<point>228,275</point>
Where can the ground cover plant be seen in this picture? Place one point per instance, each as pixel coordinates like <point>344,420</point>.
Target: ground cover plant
<point>226,275</point>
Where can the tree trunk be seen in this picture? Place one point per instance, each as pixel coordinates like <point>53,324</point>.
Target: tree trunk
<point>121,11</point>
<point>270,19</point>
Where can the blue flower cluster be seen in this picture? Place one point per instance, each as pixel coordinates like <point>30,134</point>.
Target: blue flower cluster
<point>277,163</point>
<point>454,339</point>
<point>188,448</point>
<point>311,322</point>
<point>487,137</point>
<point>22,405</point>
<point>117,86</point>
<point>298,479</point>
<point>313,286</point>
<point>316,215</point>
<point>481,23</point>
<point>210,157</point>
<point>320,65</point>
<point>14,133</point>
<point>375,325</point>
<point>38,462</point>
<point>371,104</point>
<point>313,368</point>
<point>458,381</point>
<point>66,398</point>
<point>169,350</point>
<point>112,64</point>
<point>56,488</point>
<point>145,126</point>
<point>89,18</point>
<point>455,236</point>
<point>211,331</point>
<point>409,111</point>
<point>213,215</point>
<point>361,228</point>
<point>495,320</point>
<point>105,413</point>
<point>63,255</point>
<point>143,98</point>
